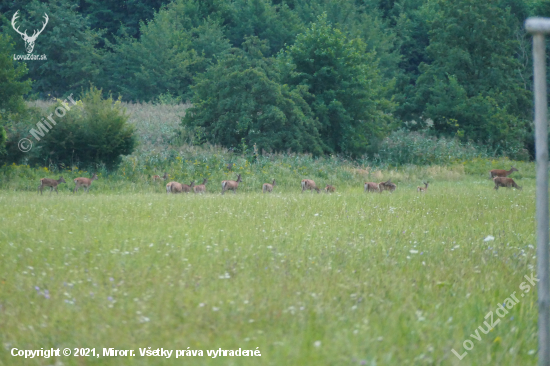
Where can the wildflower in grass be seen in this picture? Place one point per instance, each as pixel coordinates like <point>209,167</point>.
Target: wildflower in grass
<point>110,298</point>
<point>46,294</point>
<point>215,309</point>
<point>412,251</point>
<point>37,288</point>
<point>489,238</point>
<point>317,344</point>
<point>111,279</point>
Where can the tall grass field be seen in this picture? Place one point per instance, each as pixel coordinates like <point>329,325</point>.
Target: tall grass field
<point>349,278</point>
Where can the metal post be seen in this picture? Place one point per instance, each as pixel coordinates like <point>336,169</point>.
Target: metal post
<point>539,27</point>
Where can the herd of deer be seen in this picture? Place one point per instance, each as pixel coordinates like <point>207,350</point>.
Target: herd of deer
<point>499,177</point>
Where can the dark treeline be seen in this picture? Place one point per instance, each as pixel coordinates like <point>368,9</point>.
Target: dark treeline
<point>318,76</point>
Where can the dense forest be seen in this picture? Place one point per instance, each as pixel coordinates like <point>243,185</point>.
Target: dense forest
<point>317,76</point>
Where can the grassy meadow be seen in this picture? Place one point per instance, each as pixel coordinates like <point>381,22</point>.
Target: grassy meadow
<point>349,278</point>
<point>311,279</point>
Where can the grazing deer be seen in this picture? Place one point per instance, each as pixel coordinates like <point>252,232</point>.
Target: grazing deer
<point>231,185</point>
<point>330,188</point>
<point>84,182</point>
<point>423,189</point>
<point>372,187</point>
<point>505,182</point>
<point>175,187</point>
<point>201,188</point>
<point>501,172</point>
<point>52,183</point>
<point>387,186</point>
<point>157,177</point>
<point>268,187</point>
<point>187,188</point>
<point>309,184</point>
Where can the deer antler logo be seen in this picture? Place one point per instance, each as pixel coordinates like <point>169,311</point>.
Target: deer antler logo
<point>29,41</point>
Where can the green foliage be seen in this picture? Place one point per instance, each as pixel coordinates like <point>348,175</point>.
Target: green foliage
<point>92,133</point>
<point>119,17</point>
<point>168,54</point>
<point>3,139</point>
<point>240,98</point>
<point>364,68</point>
<point>407,147</point>
<point>167,99</point>
<point>347,93</point>
<point>12,87</point>
<point>472,88</point>
<point>73,58</point>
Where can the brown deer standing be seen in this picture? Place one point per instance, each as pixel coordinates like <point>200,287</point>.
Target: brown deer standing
<point>201,188</point>
<point>372,187</point>
<point>52,183</point>
<point>330,188</point>
<point>387,186</point>
<point>505,182</point>
<point>84,182</point>
<point>309,184</point>
<point>187,188</point>
<point>268,187</point>
<point>157,177</point>
<point>231,185</point>
<point>175,187</point>
<point>423,189</point>
<point>501,172</point>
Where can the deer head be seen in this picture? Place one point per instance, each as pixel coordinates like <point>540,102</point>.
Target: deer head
<point>29,41</point>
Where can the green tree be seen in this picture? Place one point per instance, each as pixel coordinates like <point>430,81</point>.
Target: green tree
<point>12,89</point>
<point>472,88</point>
<point>169,53</point>
<point>94,131</point>
<point>347,93</point>
<point>119,17</point>
<point>240,99</point>
<point>73,60</point>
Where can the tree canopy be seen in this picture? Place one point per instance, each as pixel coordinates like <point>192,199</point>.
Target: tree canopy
<point>355,70</point>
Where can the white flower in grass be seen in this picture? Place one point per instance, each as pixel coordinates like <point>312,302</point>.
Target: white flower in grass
<point>317,344</point>
<point>489,238</point>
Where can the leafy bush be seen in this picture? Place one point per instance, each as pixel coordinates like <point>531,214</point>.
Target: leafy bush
<point>94,131</point>
<point>406,147</point>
